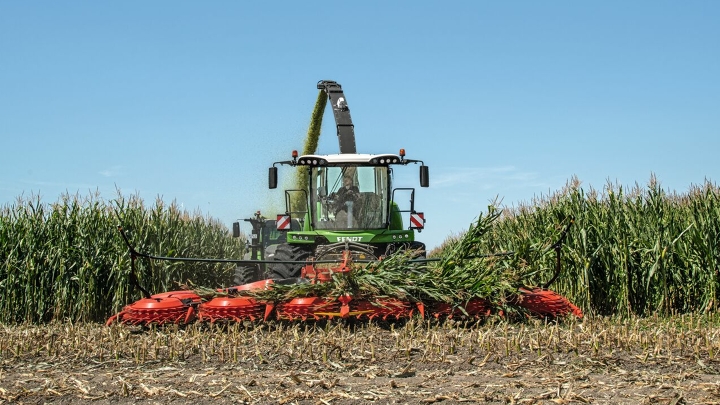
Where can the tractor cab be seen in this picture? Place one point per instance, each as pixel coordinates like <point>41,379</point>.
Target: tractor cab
<point>263,236</point>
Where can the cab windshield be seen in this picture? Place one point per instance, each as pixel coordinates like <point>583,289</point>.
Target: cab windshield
<point>349,197</point>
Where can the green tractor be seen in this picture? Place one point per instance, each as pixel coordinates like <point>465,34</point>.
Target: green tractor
<point>349,204</point>
<point>264,240</point>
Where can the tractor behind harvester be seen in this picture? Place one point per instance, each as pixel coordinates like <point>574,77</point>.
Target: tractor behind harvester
<point>347,216</point>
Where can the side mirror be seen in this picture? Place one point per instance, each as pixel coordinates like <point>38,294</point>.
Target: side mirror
<point>424,176</point>
<point>272,178</point>
<point>236,229</point>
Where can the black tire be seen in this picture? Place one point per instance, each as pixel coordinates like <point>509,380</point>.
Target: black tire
<point>284,253</point>
<point>397,247</point>
<point>245,275</point>
<point>419,246</point>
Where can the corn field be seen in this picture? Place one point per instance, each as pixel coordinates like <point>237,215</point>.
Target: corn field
<point>637,251</point>
<point>630,251</point>
<point>67,260</point>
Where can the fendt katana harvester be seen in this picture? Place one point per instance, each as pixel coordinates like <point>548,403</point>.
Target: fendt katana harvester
<point>349,204</point>
<point>347,215</point>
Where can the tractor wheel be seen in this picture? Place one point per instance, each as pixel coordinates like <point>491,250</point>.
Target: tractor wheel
<point>286,252</point>
<point>245,275</point>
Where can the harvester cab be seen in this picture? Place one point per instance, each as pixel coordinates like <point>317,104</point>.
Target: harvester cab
<point>349,203</point>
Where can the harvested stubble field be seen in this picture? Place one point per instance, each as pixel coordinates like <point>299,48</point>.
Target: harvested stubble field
<point>597,360</point>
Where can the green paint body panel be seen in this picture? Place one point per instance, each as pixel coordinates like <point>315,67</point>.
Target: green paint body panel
<point>396,221</point>
<point>374,236</point>
<point>396,233</point>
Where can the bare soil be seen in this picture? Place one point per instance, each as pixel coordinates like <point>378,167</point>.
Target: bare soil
<point>596,361</point>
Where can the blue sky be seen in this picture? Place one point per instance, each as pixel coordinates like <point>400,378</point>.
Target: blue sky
<point>192,101</point>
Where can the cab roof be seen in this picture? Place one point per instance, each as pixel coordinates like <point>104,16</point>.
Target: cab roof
<point>350,158</point>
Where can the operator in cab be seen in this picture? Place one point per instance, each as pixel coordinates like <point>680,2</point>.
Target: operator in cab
<point>348,192</point>
<point>344,198</point>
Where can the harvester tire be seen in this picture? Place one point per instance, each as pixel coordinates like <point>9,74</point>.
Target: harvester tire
<point>417,246</point>
<point>287,253</point>
<point>245,275</point>
<point>421,247</point>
